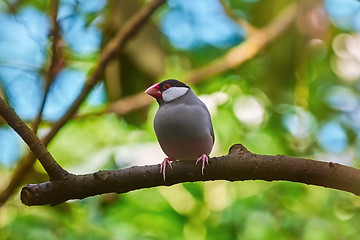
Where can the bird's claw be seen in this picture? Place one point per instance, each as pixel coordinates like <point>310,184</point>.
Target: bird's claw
<point>167,161</point>
<point>204,159</point>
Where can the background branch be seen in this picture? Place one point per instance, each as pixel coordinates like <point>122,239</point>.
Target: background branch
<point>249,29</point>
<point>56,62</point>
<point>239,165</point>
<point>256,41</point>
<point>246,50</point>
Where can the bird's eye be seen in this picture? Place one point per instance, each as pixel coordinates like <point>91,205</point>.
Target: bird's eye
<point>166,86</point>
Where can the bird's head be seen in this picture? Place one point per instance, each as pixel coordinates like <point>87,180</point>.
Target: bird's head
<point>168,90</point>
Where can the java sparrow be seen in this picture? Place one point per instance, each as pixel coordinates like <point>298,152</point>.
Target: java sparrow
<point>182,123</point>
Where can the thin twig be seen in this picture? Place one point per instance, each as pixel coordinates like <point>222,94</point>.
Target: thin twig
<point>54,63</point>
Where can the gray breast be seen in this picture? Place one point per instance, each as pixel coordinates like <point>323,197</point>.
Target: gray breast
<point>183,118</point>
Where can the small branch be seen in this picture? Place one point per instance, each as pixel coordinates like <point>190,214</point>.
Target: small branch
<point>54,170</point>
<point>282,21</point>
<point>122,106</point>
<point>55,63</point>
<point>249,29</point>
<point>239,165</point>
<point>246,50</point>
<point>12,6</point>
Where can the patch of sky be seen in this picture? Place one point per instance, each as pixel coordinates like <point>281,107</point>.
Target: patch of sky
<point>342,98</point>
<point>10,144</point>
<point>63,92</point>
<point>81,38</point>
<point>23,38</point>
<point>25,92</point>
<point>357,21</point>
<point>98,95</point>
<point>332,137</point>
<point>23,89</point>
<point>344,13</point>
<point>299,123</point>
<point>352,119</point>
<point>194,24</point>
<point>85,5</point>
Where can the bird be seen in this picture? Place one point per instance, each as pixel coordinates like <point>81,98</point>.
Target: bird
<point>182,124</point>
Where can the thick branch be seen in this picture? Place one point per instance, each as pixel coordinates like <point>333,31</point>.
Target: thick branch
<point>54,170</point>
<point>239,165</point>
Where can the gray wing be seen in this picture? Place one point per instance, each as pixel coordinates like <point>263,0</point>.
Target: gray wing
<point>211,125</point>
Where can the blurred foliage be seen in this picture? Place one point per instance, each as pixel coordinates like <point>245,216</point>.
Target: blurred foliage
<point>299,96</point>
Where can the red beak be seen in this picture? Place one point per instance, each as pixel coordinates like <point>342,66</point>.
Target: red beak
<point>154,91</point>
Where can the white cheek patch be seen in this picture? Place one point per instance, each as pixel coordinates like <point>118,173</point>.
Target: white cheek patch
<point>174,93</point>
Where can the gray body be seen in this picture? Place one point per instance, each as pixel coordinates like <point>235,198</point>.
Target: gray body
<point>184,128</point>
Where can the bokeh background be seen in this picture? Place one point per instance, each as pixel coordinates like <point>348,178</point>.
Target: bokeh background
<point>298,96</point>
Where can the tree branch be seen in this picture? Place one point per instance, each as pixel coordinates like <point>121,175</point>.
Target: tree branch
<point>53,169</point>
<point>238,165</point>
<point>113,47</point>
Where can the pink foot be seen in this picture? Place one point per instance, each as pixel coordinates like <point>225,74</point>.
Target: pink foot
<point>167,161</point>
<point>204,159</point>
